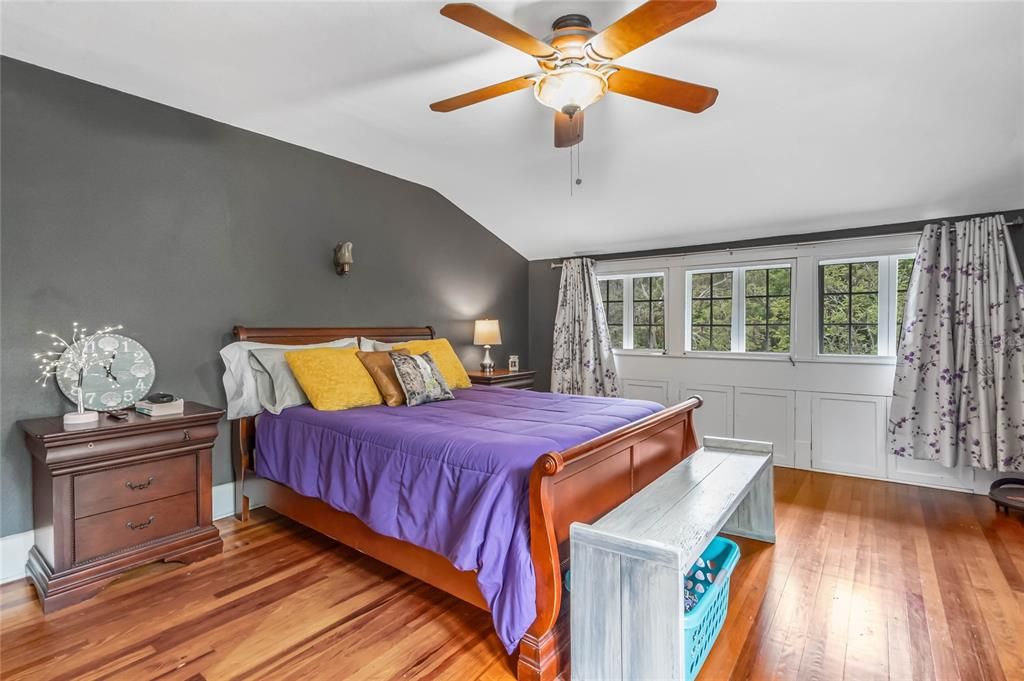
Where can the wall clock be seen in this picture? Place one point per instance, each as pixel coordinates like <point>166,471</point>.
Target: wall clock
<point>121,375</point>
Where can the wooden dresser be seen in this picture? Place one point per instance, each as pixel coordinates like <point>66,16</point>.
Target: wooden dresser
<point>116,496</point>
<point>503,378</point>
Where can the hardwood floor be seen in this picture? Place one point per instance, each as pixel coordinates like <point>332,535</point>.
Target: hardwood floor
<point>859,586</point>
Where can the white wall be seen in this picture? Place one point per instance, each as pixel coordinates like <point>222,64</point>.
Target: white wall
<point>823,412</point>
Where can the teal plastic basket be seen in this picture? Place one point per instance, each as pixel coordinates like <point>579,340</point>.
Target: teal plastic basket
<point>708,581</point>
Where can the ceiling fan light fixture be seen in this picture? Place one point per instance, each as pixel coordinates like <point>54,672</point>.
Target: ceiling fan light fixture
<point>570,88</point>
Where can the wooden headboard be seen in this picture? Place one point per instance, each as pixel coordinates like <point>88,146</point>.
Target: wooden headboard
<point>243,430</point>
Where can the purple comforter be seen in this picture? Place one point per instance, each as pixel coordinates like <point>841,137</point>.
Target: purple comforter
<point>449,476</point>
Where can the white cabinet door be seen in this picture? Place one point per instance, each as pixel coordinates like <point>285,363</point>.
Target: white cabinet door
<point>643,389</point>
<point>848,434</point>
<point>766,415</point>
<point>714,416</point>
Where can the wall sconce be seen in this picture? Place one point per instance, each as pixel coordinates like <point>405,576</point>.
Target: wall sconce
<point>343,258</point>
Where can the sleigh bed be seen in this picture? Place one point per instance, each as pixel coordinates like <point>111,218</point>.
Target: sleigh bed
<point>579,483</point>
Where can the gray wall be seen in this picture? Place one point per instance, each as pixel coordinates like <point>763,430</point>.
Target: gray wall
<point>117,209</point>
<point>544,281</point>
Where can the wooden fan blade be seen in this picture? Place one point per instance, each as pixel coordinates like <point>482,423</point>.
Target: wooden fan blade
<point>647,22</point>
<point>479,19</point>
<point>677,94</point>
<point>483,94</point>
<point>568,131</point>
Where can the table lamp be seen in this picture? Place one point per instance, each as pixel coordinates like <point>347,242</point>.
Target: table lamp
<point>487,333</point>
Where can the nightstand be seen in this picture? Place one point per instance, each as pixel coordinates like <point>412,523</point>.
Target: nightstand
<point>503,378</point>
<point>116,496</point>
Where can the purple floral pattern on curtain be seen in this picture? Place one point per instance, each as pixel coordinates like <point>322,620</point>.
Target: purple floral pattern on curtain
<point>582,362</point>
<point>958,395</point>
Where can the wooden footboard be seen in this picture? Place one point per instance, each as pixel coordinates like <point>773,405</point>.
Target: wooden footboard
<point>580,484</point>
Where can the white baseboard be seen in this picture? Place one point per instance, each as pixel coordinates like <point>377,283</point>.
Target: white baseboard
<point>14,548</point>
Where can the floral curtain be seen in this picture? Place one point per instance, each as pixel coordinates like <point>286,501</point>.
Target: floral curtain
<point>958,395</point>
<point>582,362</point>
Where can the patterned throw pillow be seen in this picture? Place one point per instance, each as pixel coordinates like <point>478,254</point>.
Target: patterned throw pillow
<point>421,380</point>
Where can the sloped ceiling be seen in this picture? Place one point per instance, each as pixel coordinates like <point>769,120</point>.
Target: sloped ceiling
<point>831,115</point>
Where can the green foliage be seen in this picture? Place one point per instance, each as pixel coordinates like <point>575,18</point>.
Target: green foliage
<point>835,340</point>
<point>641,313</point>
<point>778,309</point>
<point>864,340</point>
<point>779,281</point>
<point>864,308</point>
<point>721,311</point>
<point>864,277</point>
<point>836,309</point>
<point>756,282</point>
<point>642,288</point>
<point>658,288</point>
<point>904,268</point>
<point>778,338</point>
<point>616,333</point>
<point>701,286</point>
<point>836,278</point>
<point>757,339</point>
<point>700,312</point>
<point>721,284</point>
<point>757,312</point>
<point>614,312</point>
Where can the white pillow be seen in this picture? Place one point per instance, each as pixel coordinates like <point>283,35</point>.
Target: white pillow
<point>240,378</point>
<point>370,345</point>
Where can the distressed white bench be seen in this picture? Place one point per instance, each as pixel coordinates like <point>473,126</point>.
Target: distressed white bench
<point>627,613</point>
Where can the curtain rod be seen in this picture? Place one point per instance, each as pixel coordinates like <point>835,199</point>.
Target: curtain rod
<point>1016,222</point>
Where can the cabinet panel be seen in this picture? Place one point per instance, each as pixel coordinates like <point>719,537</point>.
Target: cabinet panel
<point>767,415</point>
<point>848,434</point>
<point>715,416</point>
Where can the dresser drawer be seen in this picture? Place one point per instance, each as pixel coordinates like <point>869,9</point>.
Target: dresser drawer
<point>130,485</point>
<point>124,528</point>
<point>200,436</point>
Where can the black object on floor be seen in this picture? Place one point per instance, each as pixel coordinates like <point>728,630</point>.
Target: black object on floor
<point>1008,493</point>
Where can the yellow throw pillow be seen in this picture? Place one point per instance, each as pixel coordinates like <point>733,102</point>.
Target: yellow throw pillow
<point>333,378</point>
<point>444,357</point>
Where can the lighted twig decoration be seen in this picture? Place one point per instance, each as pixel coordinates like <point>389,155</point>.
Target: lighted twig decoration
<point>74,358</point>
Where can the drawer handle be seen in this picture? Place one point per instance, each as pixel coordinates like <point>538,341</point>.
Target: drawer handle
<point>140,526</point>
<point>139,485</point>
<point>187,436</point>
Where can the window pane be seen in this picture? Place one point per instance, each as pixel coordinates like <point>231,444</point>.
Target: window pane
<point>701,312</point>
<point>614,311</point>
<point>657,288</point>
<point>721,338</point>
<point>603,286</point>
<point>700,338</point>
<point>756,282</point>
<point>778,309</point>
<point>864,340</point>
<point>756,311</point>
<point>658,337</point>
<point>904,267</point>
<point>864,308</point>
<point>835,340</point>
<point>836,309</point>
<point>616,336</point>
<point>721,311</point>
<point>641,336</point>
<point>778,338</point>
<point>757,339</point>
<point>778,281</point>
<point>721,284</point>
<point>836,278</point>
<point>701,286</point>
<point>641,313</point>
<point>658,314</point>
<point>642,288</point>
<point>864,276</point>
<point>614,289</point>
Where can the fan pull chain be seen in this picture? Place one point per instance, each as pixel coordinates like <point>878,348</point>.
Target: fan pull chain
<point>575,178</point>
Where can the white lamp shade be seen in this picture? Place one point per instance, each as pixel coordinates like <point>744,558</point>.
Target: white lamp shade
<point>486,332</point>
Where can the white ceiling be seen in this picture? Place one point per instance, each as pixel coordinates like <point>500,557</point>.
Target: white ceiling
<point>831,115</point>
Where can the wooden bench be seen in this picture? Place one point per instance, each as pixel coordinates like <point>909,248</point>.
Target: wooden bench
<point>627,613</point>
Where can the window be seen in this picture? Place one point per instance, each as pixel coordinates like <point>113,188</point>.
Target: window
<point>740,309</point>
<point>849,308</point>
<point>611,294</point>
<point>635,307</point>
<point>649,312</point>
<point>861,303</point>
<point>767,304</point>
<point>904,268</point>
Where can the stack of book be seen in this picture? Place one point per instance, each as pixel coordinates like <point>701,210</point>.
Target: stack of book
<point>172,408</point>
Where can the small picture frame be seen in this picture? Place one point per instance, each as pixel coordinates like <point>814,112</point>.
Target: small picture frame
<point>513,362</point>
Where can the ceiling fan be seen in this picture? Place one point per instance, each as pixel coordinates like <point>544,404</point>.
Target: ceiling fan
<point>577,63</point>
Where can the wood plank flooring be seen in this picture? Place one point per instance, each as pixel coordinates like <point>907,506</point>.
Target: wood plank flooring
<point>868,580</point>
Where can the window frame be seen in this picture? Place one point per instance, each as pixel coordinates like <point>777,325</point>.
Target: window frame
<point>627,308</point>
<point>739,309</point>
<point>888,335</point>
